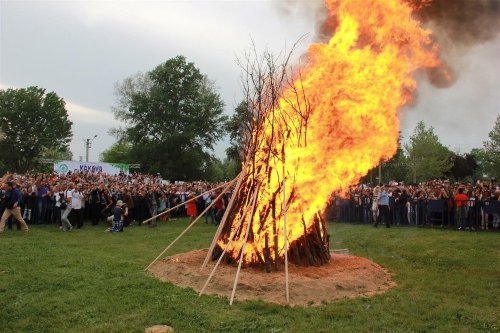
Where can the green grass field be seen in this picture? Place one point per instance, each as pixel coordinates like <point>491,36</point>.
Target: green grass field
<point>92,281</point>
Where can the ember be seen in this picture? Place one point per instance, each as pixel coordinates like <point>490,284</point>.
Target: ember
<point>322,130</point>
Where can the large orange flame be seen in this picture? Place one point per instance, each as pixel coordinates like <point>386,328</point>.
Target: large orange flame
<point>352,88</point>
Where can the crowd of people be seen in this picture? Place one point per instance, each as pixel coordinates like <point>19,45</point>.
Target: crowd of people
<point>462,205</point>
<point>70,199</point>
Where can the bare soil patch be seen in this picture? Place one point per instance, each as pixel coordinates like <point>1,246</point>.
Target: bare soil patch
<point>345,277</point>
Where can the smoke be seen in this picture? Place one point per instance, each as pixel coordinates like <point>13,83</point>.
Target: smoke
<point>457,25</point>
<point>461,23</point>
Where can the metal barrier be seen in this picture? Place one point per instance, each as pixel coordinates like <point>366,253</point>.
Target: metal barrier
<point>473,214</point>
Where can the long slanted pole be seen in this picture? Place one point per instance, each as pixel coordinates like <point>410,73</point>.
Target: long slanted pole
<point>185,202</point>
<point>285,235</point>
<point>192,223</point>
<point>225,217</point>
<point>242,253</point>
<point>252,203</point>
<point>287,290</point>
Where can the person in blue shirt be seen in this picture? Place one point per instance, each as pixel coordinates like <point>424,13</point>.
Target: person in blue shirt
<point>41,200</point>
<point>12,207</point>
<point>383,208</point>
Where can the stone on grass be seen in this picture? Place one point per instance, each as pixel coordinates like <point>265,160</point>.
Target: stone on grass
<point>159,329</point>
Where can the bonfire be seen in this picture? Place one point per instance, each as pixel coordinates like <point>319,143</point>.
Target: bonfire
<point>318,128</point>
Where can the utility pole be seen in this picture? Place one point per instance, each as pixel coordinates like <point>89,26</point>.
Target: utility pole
<point>88,145</point>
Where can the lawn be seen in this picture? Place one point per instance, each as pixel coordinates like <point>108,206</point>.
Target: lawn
<point>92,281</point>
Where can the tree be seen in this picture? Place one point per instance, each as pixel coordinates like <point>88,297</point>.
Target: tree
<point>32,123</point>
<point>394,169</point>
<point>216,172</point>
<point>119,152</point>
<point>489,156</point>
<point>463,167</point>
<point>59,154</point>
<point>427,157</point>
<point>397,167</point>
<point>238,128</point>
<point>50,155</point>
<point>173,118</point>
<point>231,168</point>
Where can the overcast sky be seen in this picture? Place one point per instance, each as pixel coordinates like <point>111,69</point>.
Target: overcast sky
<point>79,49</point>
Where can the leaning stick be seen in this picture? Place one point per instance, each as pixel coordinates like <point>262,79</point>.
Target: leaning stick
<point>242,253</point>
<point>254,196</point>
<point>185,202</point>
<point>192,223</point>
<point>225,217</point>
<point>287,290</point>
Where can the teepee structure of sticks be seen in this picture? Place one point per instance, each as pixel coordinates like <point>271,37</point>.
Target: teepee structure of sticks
<point>254,229</point>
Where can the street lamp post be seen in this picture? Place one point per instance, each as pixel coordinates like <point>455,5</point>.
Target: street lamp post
<point>88,145</point>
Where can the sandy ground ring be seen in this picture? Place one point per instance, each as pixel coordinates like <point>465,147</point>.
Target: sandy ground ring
<point>345,277</point>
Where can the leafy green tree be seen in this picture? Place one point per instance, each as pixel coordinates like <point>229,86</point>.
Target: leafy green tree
<point>463,167</point>
<point>231,168</point>
<point>48,155</point>
<point>489,156</point>
<point>119,152</point>
<point>215,172</point>
<point>238,127</point>
<point>427,157</point>
<point>58,154</point>
<point>397,167</point>
<point>173,117</point>
<point>32,122</point>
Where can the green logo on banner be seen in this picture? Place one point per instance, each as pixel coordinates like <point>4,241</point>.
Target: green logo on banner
<point>62,168</point>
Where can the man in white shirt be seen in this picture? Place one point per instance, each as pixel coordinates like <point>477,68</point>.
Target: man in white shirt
<point>207,197</point>
<point>67,199</point>
<point>76,206</point>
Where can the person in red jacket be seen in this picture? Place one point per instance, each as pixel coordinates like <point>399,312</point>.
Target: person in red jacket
<point>191,208</point>
<point>220,207</point>
<point>461,201</point>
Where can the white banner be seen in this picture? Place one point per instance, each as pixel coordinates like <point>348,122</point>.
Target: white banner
<point>106,168</point>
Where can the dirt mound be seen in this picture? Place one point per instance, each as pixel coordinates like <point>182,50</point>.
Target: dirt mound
<point>345,277</point>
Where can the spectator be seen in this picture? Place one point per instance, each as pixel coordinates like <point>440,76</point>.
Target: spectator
<point>461,201</point>
<point>118,213</point>
<point>383,208</point>
<point>191,208</point>
<point>76,207</point>
<point>220,208</point>
<point>207,198</point>
<point>41,201</point>
<point>12,200</point>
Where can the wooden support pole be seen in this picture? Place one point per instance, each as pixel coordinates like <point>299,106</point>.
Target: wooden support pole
<point>242,253</point>
<point>192,223</point>
<point>225,217</point>
<point>185,202</point>
<point>285,235</point>
<point>242,218</point>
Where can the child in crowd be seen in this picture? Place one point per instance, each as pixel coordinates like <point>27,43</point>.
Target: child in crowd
<point>118,213</point>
